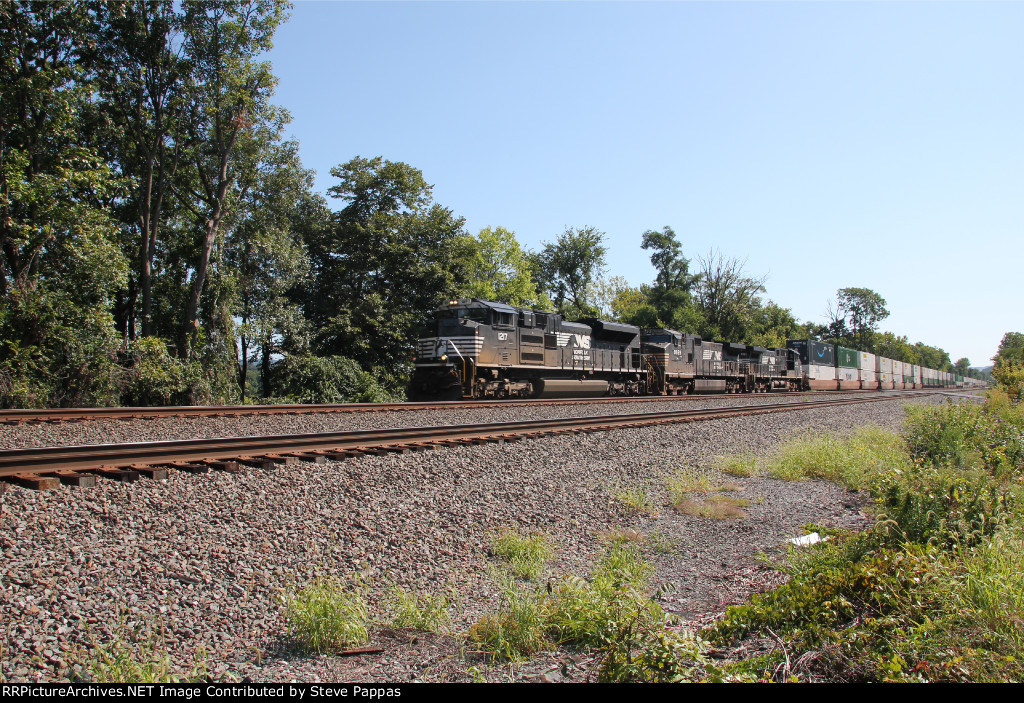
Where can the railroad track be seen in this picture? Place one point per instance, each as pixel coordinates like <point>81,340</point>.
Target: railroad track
<point>45,468</point>
<point>54,415</point>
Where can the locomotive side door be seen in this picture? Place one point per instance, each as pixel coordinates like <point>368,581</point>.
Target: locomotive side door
<point>506,346</point>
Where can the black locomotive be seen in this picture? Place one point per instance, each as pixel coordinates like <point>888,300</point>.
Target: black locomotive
<point>480,349</point>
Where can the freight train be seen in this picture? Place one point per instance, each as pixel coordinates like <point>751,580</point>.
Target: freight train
<point>479,349</point>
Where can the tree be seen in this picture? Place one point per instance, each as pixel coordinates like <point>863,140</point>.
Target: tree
<point>774,325</point>
<point>727,298</point>
<point>60,263</point>
<point>265,255</point>
<point>391,257</point>
<point>932,357</point>
<point>963,366</point>
<point>227,118</point>
<point>567,268</point>
<point>892,346</point>
<point>860,310</point>
<point>140,77</point>
<point>499,269</point>
<point>671,295</point>
<point>1009,365</point>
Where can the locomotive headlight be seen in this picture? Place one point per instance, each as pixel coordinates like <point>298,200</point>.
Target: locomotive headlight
<point>444,357</point>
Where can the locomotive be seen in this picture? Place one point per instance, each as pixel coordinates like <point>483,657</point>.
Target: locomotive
<point>474,348</point>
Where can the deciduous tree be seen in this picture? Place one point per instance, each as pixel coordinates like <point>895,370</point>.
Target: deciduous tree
<point>567,268</point>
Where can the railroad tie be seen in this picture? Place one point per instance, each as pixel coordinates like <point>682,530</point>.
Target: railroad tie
<point>309,457</point>
<point>115,474</point>
<point>157,473</point>
<point>35,482</point>
<point>229,466</point>
<point>259,462</point>
<point>75,478</point>
<point>189,467</point>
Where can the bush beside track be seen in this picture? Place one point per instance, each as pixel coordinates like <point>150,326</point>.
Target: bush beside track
<point>935,592</point>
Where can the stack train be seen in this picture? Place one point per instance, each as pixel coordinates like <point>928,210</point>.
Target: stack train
<point>480,349</point>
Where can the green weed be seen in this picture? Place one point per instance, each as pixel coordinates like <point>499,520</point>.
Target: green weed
<point>325,615</point>
<point>850,460</point>
<point>935,591</point>
<point>685,483</point>
<point>738,465</point>
<point>140,657</point>
<point>526,555</point>
<point>572,610</point>
<point>418,611</point>
<point>636,499</point>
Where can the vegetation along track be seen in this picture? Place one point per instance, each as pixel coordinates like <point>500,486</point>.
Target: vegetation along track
<point>31,415</point>
<point>47,467</point>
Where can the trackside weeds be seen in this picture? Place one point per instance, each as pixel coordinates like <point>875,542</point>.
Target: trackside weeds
<point>932,592</point>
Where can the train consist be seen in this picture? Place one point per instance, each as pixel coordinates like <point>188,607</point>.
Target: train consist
<point>480,349</point>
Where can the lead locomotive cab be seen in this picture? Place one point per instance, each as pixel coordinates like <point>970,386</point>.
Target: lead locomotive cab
<point>481,349</point>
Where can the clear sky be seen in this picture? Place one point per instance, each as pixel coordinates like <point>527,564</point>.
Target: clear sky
<point>830,144</point>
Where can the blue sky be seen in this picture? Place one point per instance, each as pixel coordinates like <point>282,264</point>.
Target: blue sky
<point>830,144</point>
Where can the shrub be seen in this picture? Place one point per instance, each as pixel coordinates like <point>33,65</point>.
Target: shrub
<point>153,376</point>
<point>330,379</point>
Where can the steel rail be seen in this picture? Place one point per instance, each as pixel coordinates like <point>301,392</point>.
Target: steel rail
<point>16,416</point>
<point>42,460</point>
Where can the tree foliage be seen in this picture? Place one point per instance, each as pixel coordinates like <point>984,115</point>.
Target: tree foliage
<point>1009,365</point>
<point>855,317</point>
<point>60,263</point>
<point>499,269</point>
<point>728,298</point>
<point>391,256</point>
<point>567,268</point>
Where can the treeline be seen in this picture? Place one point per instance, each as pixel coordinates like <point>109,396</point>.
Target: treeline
<point>161,243</point>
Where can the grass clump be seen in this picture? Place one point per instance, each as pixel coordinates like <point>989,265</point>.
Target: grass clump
<point>418,611</point>
<point>622,535</point>
<point>636,499</point>
<point>744,465</point>
<point>608,611</point>
<point>685,483</point>
<point>526,555</point>
<point>662,543</point>
<point>325,616</point>
<point>850,461</point>
<point>141,657</point>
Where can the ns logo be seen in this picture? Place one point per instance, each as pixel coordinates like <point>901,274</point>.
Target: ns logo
<point>577,341</point>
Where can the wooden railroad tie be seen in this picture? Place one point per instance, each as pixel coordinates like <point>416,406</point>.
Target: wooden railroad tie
<point>115,474</point>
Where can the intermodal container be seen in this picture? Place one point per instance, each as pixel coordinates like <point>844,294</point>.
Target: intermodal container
<point>814,352</point>
<point>848,358</point>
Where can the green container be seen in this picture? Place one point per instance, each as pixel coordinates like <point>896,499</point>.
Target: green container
<point>847,358</point>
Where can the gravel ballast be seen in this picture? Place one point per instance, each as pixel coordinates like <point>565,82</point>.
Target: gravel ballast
<point>204,559</point>
<point>117,431</point>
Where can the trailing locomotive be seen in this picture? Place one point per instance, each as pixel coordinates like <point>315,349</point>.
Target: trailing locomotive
<point>480,349</point>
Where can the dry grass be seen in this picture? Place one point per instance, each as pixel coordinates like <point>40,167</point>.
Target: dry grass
<point>714,508</point>
<point>619,535</point>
